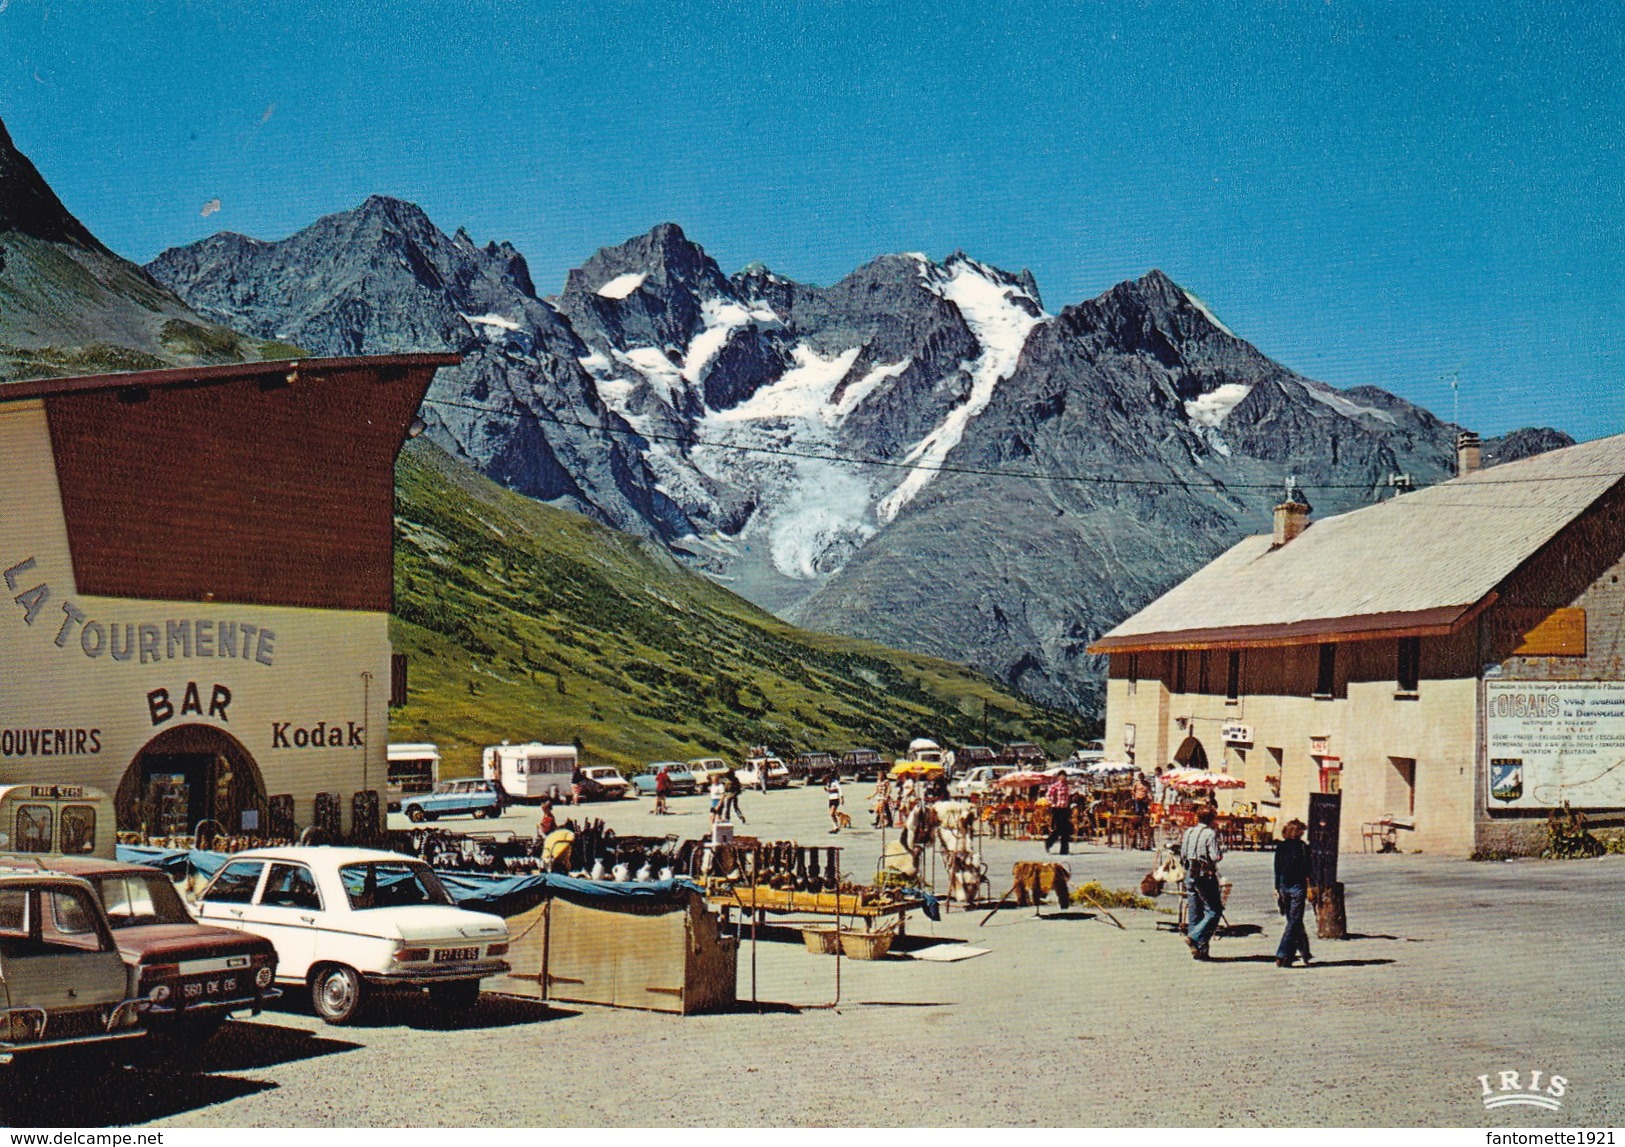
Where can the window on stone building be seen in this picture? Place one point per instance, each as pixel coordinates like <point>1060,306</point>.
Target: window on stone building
<point>1326,678</point>
<point>1232,676</point>
<point>1409,670</point>
<point>1181,659</point>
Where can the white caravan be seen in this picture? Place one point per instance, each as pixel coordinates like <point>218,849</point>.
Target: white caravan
<point>530,772</point>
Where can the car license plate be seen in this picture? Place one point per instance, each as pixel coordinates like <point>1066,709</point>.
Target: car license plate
<point>199,989</point>
<point>452,955</point>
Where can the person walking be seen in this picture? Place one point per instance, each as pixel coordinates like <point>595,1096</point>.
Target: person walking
<point>832,793</point>
<point>577,777</point>
<point>1059,796</point>
<point>1204,903</point>
<point>731,788</point>
<point>882,798</point>
<point>1292,892</point>
<point>717,801</point>
<point>662,791</point>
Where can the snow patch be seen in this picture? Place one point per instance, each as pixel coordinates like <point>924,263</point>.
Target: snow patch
<point>596,364</point>
<point>852,397</point>
<point>1348,407</point>
<point>992,309</point>
<point>623,285</point>
<point>1209,315</point>
<point>653,365</point>
<point>722,317</point>
<point>1212,408</point>
<point>506,324</point>
<point>802,392</point>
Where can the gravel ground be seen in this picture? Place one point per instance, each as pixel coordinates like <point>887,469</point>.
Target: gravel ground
<point>1452,970</point>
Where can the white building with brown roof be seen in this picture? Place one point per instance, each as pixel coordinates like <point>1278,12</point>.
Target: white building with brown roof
<point>1450,660</point>
<point>198,575</point>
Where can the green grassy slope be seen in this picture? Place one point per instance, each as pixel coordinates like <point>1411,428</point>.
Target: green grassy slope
<point>523,622</point>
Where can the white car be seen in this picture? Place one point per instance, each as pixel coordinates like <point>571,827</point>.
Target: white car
<point>604,783</point>
<point>349,921</point>
<point>706,769</point>
<point>63,983</point>
<point>778,774</point>
<point>979,780</point>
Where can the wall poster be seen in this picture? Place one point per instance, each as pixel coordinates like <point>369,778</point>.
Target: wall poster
<point>1555,742</point>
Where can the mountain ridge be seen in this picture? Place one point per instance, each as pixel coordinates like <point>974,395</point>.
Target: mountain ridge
<point>825,451</point>
<point>69,305</point>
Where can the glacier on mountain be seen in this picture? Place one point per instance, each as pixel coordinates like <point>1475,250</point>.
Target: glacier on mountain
<point>1001,316</point>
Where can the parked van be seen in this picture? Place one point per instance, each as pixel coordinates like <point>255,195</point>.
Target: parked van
<point>923,750</point>
<point>413,769</point>
<point>64,820</point>
<point>532,771</point>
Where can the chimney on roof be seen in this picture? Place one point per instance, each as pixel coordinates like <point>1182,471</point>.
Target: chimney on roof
<point>1292,515</point>
<point>1469,453</point>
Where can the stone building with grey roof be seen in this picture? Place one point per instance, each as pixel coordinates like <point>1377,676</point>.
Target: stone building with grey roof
<point>1452,660</point>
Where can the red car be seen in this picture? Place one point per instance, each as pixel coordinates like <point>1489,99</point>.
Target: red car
<point>195,974</point>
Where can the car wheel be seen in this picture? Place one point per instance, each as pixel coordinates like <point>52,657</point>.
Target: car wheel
<point>337,993</point>
<point>457,996</point>
<point>415,815</point>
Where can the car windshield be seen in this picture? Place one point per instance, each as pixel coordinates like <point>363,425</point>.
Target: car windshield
<point>391,884</point>
<point>133,900</point>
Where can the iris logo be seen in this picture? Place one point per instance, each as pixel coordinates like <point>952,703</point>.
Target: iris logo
<point>1509,1090</point>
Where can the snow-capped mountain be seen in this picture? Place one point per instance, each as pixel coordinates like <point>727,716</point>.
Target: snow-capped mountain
<point>859,457</point>
<point>383,278</point>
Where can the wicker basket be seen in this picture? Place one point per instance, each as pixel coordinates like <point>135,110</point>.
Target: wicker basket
<point>821,939</point>
<point>867,945</point>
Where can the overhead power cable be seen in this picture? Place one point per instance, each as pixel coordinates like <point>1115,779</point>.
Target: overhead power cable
<point>691,441</point>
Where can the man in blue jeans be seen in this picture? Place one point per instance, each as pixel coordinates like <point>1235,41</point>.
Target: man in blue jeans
<point>1204,903</point>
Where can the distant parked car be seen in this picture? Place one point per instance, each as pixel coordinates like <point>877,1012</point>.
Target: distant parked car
<point>194,975</point>
<point>862,764</point>
<point>706,769</point>
<point>603,783</point>
<point>1025,755</point>
<point>979,780</point>
<point>814,768</point>
<point>749,774</point>
<point>682,781</point>
<point>348,922</point>
<point>476,798</point>
<point>968,757</point>
<point>63,983</point>
<point>1087,754</point>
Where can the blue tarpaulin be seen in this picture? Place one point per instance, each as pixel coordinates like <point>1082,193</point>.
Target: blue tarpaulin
<point>500,894</point>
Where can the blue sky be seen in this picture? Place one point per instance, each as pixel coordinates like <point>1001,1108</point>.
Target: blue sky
<point>1371,193</point>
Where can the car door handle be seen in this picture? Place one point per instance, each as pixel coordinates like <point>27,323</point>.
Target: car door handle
<point>237,912</point>
<point>308,919</point>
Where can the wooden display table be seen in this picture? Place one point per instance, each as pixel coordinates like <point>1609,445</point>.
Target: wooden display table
<point>866,905</point>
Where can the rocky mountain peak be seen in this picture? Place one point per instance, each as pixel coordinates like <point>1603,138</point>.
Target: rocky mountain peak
<point>28,205</point>
<point>648,291</point>
<point>663,255</point>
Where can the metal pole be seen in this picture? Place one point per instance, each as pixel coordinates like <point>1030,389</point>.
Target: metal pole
<point>755,920</point>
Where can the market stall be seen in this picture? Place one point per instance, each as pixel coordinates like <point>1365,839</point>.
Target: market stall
<point>652,946</point>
